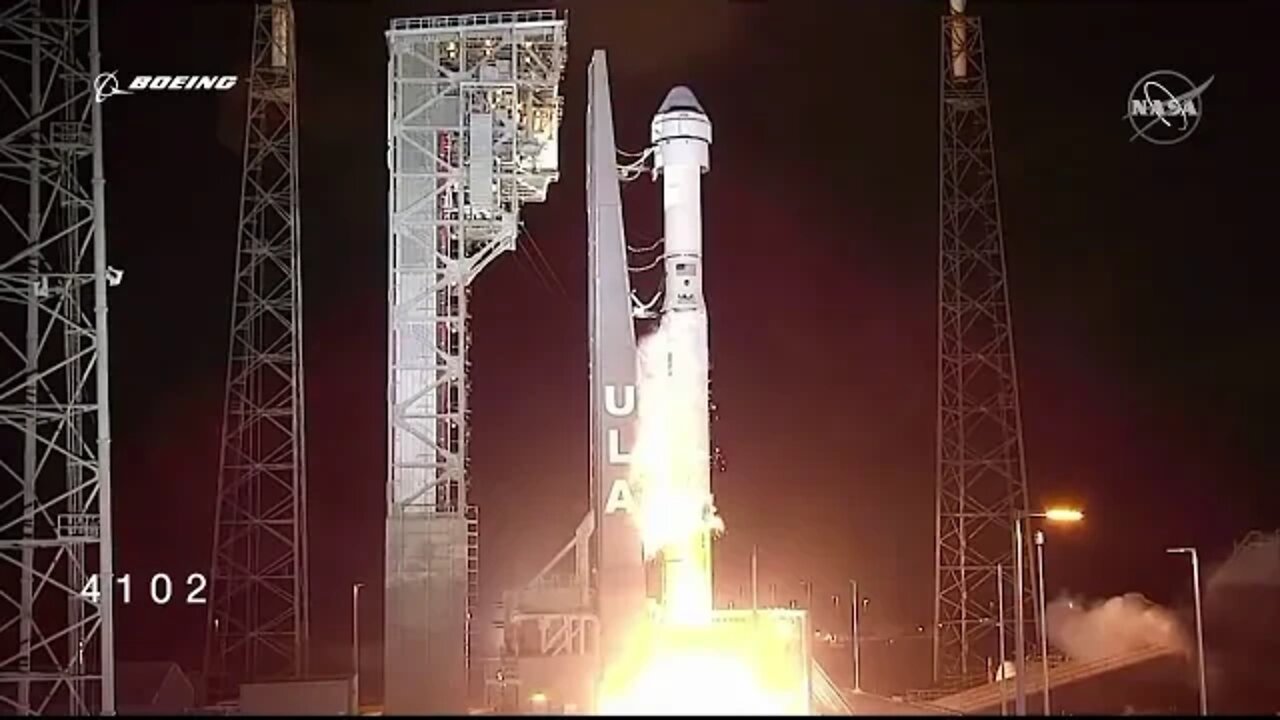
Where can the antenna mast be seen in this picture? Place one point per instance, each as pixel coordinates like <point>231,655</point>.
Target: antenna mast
<point>258,615</point>
<point>981,470</point>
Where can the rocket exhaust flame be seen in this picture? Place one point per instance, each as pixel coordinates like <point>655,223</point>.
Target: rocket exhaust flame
<point>671,439</point>
<point>670,464</point>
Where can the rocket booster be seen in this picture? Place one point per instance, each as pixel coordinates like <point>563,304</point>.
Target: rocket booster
<point>681,135</point>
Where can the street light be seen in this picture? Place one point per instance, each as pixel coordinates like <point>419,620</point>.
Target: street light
<point>1061,515</point>
<point>755,578</point>
<point>1044,624</point>
<point>855,609</point>
<point>355,644</point>
<point>1020,681</point>
<point>1195,580</point>
<point>1000,674</point>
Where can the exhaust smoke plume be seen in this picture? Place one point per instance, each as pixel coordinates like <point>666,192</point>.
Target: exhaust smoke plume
<point>672,437</point>
<point>1088,631</point>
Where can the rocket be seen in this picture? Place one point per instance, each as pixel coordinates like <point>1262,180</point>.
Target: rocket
<point>681,136</point>
<point>619,570</point>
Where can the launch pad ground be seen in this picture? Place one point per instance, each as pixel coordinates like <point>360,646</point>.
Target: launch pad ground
<point>741,662</point>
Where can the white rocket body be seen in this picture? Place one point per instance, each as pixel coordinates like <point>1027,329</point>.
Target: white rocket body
<point>681,135</point>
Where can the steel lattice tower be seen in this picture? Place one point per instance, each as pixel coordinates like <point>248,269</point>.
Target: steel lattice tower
<point>474,116</point>
<point>981,472</point>
<point>56,629</point>
<point>258,618</point>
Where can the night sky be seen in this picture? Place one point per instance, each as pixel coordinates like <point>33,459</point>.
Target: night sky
<point>1144,321</point>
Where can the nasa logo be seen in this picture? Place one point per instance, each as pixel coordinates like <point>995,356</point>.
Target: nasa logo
<point>1165,107</point>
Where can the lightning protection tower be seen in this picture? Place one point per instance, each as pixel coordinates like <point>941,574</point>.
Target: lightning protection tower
<point>56,631</point>
<point>257,624</point>
<point>474,117</point>
<point>981,473</point>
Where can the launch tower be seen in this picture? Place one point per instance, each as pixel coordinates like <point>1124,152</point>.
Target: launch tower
<point>257,625</point>
<point>56,580</point>
<point>474,116</point>
<point>981,472</point>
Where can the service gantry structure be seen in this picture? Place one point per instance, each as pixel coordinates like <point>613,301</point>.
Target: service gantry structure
<point>56,574</point>
<point>474,115</point>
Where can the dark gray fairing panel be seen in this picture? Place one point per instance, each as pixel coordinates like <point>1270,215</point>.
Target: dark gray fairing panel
<point>618,556</point>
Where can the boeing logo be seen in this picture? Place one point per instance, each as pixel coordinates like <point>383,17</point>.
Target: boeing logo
<point>106,85</point>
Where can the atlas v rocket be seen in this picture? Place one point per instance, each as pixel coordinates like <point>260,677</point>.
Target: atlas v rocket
<point>681,134</point>
<point>681,137</point>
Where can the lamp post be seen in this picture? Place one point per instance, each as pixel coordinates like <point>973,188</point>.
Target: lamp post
<point>1062,515</point>
<point>1044,635</point>
<point>1020,643</point>
<point>855,607</point>
<point>755,579</point>
<point>1195,580</point>
<point>355,645</point>
<point>1000,675</point>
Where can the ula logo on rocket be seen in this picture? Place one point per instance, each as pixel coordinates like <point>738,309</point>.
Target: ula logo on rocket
<point>620,496</point>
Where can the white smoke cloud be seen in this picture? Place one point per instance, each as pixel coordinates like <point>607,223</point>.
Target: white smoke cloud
<point>1088,631</point>
<point>671,444</point>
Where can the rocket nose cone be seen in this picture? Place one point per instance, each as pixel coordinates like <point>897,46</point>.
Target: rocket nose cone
<point>681,98</point>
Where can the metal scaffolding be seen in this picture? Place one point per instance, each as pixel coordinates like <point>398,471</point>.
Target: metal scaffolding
<point>474,115</point>
<point>981,471</point>
<point>56,631</point>
<point>258,619</point>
